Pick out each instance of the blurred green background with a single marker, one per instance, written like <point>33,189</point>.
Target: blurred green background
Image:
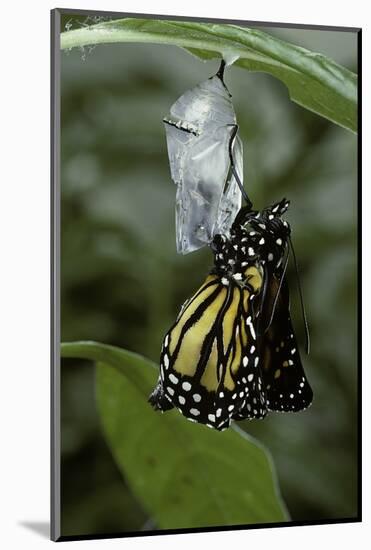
<point>122,282</point>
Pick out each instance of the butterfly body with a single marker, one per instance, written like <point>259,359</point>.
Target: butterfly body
<point>219,360</point>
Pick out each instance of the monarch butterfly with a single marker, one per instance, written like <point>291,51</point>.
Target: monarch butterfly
<point>232,353</point>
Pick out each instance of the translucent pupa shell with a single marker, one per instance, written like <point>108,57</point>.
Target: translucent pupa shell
<point>201,135</point>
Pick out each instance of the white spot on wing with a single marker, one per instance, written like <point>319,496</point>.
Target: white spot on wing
<point>251,327</point>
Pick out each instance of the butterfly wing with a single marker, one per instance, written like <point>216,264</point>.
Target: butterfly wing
<point>250,383</point>
<point>204,355</point>
<point>287,387</point>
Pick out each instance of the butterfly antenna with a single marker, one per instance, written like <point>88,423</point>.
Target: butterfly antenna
<point>233,168</point>
<point>278,292</point>
<point>262,300</point>
<point>303,312</point>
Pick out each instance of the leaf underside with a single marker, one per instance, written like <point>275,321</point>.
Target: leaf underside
<point>313,81</point>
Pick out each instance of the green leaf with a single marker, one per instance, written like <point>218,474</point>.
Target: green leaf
<point>313,80</point>
<point>186,475</point>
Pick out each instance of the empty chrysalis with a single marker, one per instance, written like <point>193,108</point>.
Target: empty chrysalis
<point>206,162</point>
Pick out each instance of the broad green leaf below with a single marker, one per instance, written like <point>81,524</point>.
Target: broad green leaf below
<point>185,475</point>
<point>313,80</point>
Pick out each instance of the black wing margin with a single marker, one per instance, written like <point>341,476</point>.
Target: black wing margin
<point>287,387</point>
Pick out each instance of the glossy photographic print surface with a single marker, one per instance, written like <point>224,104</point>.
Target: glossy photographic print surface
<point>205,370</point>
